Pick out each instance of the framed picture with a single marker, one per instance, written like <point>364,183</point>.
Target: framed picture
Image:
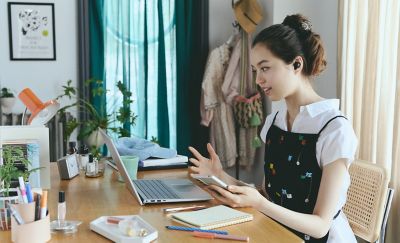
<point>31,31</point>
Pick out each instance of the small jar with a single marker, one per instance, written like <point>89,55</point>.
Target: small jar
<point>83,157</point>
<point>72,147</point>
<point>91,166</point>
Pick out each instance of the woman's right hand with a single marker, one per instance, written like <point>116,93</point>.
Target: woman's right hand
<point>203,165</point>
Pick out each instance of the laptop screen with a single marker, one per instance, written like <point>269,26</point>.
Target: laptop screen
<point>121,168</point>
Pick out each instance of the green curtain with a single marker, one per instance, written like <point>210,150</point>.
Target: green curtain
<point>162,106</point>
<point>96,52</point>
<point>191,53</point>
<point>158,49</point>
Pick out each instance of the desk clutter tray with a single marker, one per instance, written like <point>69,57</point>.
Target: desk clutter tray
<point>113,232</point>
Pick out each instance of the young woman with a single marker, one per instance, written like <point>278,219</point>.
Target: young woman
<point>309,144</point>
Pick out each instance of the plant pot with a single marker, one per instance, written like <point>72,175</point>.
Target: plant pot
<point>95,139</point>
<point>5,217</point>
<point>7,104</point>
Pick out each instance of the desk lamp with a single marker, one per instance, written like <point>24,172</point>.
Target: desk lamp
<point>41,112</point>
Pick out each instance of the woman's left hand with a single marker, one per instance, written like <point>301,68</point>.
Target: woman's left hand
<point>237,196</point>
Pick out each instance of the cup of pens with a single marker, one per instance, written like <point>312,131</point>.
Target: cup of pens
<point>30,221</point>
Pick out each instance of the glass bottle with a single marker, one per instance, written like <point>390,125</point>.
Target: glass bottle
<point>72,147</point>
<point>62,208</point>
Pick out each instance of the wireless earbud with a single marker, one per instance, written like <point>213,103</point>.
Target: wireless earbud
<point>296,65</point>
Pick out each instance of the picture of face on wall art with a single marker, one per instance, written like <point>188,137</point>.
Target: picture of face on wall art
<point>31,31</point>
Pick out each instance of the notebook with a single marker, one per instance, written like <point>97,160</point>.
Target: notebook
<point>212,218</point>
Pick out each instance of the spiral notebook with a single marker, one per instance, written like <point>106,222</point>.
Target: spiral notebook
<point>212,218</point>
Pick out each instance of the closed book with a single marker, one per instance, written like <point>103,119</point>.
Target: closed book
<point>179,159</point>
<point>211,218</point>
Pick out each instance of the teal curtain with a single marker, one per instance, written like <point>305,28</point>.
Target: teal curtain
<point>158,49</point>
<point>192,51</point>
<point>96,52</point>
<point>139,47</point>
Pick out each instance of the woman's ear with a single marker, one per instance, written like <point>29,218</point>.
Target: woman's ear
<point>298,63</point>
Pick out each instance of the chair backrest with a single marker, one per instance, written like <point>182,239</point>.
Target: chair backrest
<point>366,199</point>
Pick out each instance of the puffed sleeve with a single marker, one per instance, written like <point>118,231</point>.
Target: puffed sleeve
<point>337,141</point>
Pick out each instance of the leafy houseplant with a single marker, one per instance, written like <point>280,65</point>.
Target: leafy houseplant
<point>6,93</point>
<point>7,100</point>
<point>96,120</point>
<point>9,171</point>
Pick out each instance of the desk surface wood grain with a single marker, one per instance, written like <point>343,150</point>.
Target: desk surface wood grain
<point>90,198</point>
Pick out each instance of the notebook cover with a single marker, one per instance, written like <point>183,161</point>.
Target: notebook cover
<point>212,218</point>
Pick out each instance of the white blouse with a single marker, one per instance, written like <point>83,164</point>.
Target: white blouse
<point>337,141</point>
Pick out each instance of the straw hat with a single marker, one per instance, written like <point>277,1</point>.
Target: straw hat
<point>248,13</point>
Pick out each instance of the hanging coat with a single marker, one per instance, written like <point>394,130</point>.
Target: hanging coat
<point>215,112</point>
<point>240,59</point>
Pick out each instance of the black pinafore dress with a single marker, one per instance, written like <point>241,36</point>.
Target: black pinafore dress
<point>292,172</point>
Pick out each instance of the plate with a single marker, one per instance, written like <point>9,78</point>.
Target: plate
<point>112,232</point>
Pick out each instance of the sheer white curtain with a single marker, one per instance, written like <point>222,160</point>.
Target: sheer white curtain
<point>369,80</point>
<point>132,52</point>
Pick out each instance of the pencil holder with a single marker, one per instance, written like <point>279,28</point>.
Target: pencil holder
<point>31,231</point>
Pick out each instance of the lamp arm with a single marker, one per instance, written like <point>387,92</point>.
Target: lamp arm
<point>23,116</point>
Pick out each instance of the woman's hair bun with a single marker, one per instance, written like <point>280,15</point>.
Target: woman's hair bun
<point>299,23</point>
<point>293,38</point>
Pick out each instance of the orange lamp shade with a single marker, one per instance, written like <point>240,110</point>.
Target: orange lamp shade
<point>41,112</point>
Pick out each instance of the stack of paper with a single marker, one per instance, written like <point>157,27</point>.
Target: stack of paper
<point>179,160</point>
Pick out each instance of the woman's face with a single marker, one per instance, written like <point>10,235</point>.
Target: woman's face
<point>273,75</point>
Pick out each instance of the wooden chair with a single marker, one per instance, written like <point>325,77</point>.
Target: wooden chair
<point>368,200</point>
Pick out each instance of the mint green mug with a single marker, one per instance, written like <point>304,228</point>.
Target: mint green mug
<point>131,165</point>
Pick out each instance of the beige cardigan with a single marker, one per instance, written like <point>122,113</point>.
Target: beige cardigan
<point>215,112</point>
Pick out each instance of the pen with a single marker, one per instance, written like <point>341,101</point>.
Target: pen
<point>29,192</point>
<point>23,190</point>
<point>15,214</point>
<point>19,195</point>
<point>37,207</point>
<point>173,227</point>
<point>218,236</point>
<point>194,207</point>
<point>43,205</point>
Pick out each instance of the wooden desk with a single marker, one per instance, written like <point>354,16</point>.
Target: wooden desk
<point>90,198</point>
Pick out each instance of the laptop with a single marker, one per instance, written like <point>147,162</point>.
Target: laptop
<point>150,191</point>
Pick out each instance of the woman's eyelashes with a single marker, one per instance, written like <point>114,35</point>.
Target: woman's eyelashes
<point>264,69</point>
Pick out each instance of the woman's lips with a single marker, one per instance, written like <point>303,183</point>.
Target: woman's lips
<point>267,91</point>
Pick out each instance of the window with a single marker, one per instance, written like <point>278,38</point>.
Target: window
<point>142,57</point>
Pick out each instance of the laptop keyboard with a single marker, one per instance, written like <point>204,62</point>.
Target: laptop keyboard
<point>155,189</point>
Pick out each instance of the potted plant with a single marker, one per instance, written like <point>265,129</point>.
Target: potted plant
<point>9,172</point>
<point>113,121</point>
<point>7,100</point>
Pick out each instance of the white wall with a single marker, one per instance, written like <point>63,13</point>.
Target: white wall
<point>45,78</point>
<point>323,16</point>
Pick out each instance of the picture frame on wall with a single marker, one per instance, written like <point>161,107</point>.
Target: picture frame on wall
<point>31,29</point>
